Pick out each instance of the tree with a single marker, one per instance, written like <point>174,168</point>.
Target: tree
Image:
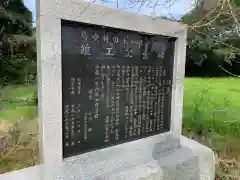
<point>214,35</point>
<point>17,45</point>
<point>213,26</point>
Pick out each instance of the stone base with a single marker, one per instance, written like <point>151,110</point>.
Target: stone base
<point>171,158</point>
<point>191,161</point>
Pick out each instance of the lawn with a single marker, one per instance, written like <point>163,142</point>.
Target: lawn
<point>16,103</point>
<point>18,117</point>
<point>212,105</point>
<point>211,115</point>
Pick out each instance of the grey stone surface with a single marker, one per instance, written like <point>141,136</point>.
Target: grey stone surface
<point>122,156</point>
<point>31,173</point>
<point>189,161</point>
<point>49,15</point>
<point>87,12</point>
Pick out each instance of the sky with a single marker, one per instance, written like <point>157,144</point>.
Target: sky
<point>30,4</point>
<point>177,10</point>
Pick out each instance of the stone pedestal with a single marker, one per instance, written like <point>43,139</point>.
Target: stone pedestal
<point>161,157</point>
<point>192,161</point>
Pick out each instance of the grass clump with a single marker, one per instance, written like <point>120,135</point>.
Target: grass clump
<point>211,115</point>
<point>18,128</point>
<point>20,148</point>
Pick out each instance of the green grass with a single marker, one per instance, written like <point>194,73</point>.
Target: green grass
<point>12,111</point>
<point>18,91</point>
<point>211,115</point>
<point>12,115</point>
<point>212,105</point>
<point>21,146</point>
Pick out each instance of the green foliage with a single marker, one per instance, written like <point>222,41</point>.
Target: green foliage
<point>35,98</point>
<point>16,18</point>
<point>17,45</point>
<point>198,50</point>
<point>212,36</point>
<point>16,68</point>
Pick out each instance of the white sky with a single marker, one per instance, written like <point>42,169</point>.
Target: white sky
<point>177,10</point>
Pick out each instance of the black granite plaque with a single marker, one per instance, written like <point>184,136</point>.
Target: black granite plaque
<point>116,86</point>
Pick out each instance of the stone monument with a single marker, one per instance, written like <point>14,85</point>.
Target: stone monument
<point>110,97</point>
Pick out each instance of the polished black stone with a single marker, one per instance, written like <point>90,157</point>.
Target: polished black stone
<point>116,86</point>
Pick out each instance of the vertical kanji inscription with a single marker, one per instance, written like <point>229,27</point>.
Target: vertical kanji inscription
<point>116,86</point>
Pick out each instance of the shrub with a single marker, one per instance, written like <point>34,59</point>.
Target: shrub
<point>30,73</point>
<point>35,98</point>
<point>12,68</point>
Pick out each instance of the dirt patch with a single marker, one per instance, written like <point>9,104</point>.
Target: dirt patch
<point>20,145</point>
<point>227,155</point>
<point>3,108</point>
<point>4,127</point>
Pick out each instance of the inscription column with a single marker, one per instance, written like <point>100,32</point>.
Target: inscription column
<point>126,110</point>
<point>66,125</point>
<point>117,103</point>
